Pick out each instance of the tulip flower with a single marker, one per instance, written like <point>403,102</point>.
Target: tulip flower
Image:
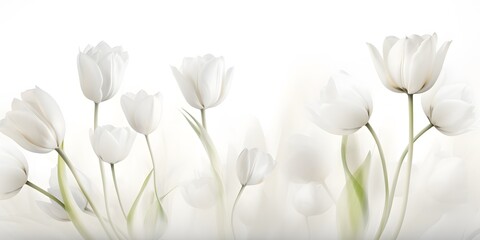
<point>13,171</point>
<point>143,111</point>
<point>312,199</point>
<point>450,109</point>
<point>112,144</point>
<point>101,71</point>
<point>200,193</point>
<point>35,122</point>
<point>411,65</point>
<point>203,80</point>
<point>253,165</point>
<point>345,106</point>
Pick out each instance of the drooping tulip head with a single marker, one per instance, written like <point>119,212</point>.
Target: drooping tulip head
<point>13,171</point>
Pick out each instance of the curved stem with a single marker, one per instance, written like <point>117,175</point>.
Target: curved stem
<point>204,119</point>
<point>409,165</point>
<point>154,173</point>
<point>307,222</point>
<point>142,189</point>
<point>166,194</point>
<point>384,168</point>
<point>395,180</point>
<point>95,116</point>
<point>347,171</point>
<point>104,184</point>
<point>112,166</point>
<point>233,209</point>
<point>39,189</point>
<point>82,188</point>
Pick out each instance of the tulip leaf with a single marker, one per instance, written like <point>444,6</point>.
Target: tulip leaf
<point>352,206</point>
<point>147,218</point>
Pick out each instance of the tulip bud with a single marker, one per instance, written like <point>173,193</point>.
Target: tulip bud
<point>203,80</point>
<point>13,171</point>
<point>312,199</point>
<point>345,106</point>
<point>112,144</point>
<point>143,111</point>
<point>450,109</point>
<point>101,71</point>
<point>411,65</point>
<point>35,122</point>
<point>253,165</point>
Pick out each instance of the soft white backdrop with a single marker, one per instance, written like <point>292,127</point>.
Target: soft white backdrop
<point>283,53</point>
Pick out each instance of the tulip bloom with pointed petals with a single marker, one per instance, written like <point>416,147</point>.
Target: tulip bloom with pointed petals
<point>13,171</point>
<point>450,109</point>
<point>411,64</point>
<point>35,122</point>
<point>344,107</point>
<point>312,199</point>
<point>203,80</point>
<point>112,144</point>
<point>253,166</point>
<point>143,111</point>
<point>101,71</point>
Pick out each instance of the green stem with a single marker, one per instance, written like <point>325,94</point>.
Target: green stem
<point>154,172</point>
<point>409,165</point>
<point>384,168</point>
<point>104,184</point>
<point>204,119</point>
<point>348,173</point>
<point>39,189</point>
<point>95,116</point>
<point>307,222</point>
<point>395,181</point>
<point>82,188</point>
<point>233,209</point>
<point>112,166</point>
<point>142,189</point>
<point>166,194</point>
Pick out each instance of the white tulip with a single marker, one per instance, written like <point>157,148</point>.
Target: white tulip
<point>142,111</point>
<point>203,80</point>
<point>200,193</point>
<point>312,199</point>
<point>344,107</point>
<point>411,64</point>
<point>13,171</point>
<point>112,144</point>
<point>35,122</point>
<point>450,109</point>
<point>101,71</point>
<point>253,165</point>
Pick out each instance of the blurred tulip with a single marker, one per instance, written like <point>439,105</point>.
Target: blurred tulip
<point>200,193</point>
<point>203,80</point>
<point>35,122</point>
<point>112,144</point>
<point>345,106</point>
<point>450,109</point>
<point>411,65</point>
<point>253,165</point>
<point>13,171</point>
<point>312,199</point>
<point>101,71</point>
<point>142,111</point>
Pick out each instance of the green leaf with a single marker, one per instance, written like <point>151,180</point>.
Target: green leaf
<point>352,206</point>
<point>147,218</point>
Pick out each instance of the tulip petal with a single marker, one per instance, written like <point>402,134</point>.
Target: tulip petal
<point>91,79</point>
<point>32,129</point>
<point>106,65</point>
<point>12,180</point>
<point>452,117</point>
<point>188,89</point>
<point>243,166</point>
<point>382,72</point>
<point>144,115</point>
<point>210,82</point>
<point>437,65</point>
<point>388,44</point>
<point>263,165</point>
<point>343,118</point>
<point>420,67</point>
<point>128,106</point>
<point>225,86</point>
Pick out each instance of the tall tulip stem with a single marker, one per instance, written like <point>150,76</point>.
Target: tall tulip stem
<point>112,166</point>
<point>384,168</point>
<point>409,165</point>
<point>95,115</point>
<point>82,188</point>
<point>39,189</point>
<point>204,118</point>
<point>395,181</point>
<point>154,172</point>
<point>233,209</point>
<point>309,231</point>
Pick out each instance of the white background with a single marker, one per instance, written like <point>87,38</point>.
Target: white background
<point>282,52</point>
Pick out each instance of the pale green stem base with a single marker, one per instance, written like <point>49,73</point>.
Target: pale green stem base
<point>112,166</point>
<point>307,223</point>
<point>154,172</point>
<point>39,189</point>
<point>204,120</point>
<point>233,209</point>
